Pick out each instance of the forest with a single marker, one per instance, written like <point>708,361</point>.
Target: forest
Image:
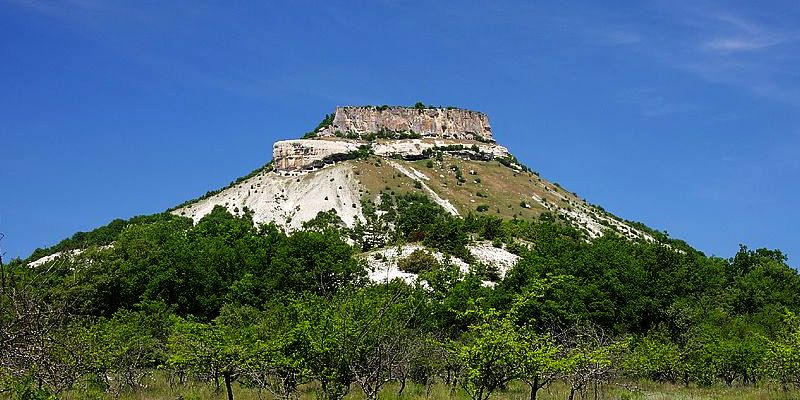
<point>239,309</point>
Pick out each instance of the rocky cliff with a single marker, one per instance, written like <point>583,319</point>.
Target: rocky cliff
<point>292,155</point>
<point>308,154</point>
<point>443,123</point>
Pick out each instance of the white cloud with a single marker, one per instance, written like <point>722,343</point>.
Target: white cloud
<point>740,43</point>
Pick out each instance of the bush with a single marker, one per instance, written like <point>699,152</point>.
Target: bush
<point>418,261</point>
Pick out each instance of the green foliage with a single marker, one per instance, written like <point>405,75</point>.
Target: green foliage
<point>101,236</point>
<point>127,347</point>
<point>418,261</point>
<point>227,299</point>
<point>783,354</point>
<point>209,350</point>
<point>326,122</point>
<point>325,221</point>
<point>656,359</point>
<point>363,151</point>
<point>490,355</point>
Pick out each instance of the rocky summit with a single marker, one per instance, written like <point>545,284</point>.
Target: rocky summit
<point>442,123</point>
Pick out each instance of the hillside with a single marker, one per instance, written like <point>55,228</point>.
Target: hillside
<point>401,250</point>
<point>358,156</point>
<point>462,174</point>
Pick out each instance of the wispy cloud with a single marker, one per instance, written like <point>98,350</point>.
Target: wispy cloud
<point>757,52</point>
<point>730,44</point>
<point>733,33</point>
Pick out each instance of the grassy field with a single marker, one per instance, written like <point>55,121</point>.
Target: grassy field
<point>159,388</point>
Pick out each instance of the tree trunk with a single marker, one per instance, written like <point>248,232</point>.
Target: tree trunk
<point>227,376</point>
<point>402,387</point>
<point>534,387</point>
<point>571,393</point>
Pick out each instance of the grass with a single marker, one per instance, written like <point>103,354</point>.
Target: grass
<point>158,387</point>
<point>499,186</point>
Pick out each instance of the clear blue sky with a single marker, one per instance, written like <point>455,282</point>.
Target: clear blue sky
<point>682,115</point>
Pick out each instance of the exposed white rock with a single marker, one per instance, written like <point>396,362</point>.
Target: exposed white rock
<point>382,263</point>
<point>430,122</point>
<point>415,175</point>
<point>66,255</point>
<point>288,200</point>
<point>498,257</point>
<point>61,254</point>
<point>290,155</point>
<point>306,154</point>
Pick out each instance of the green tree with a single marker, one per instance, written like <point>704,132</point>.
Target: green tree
<point>591,359</point>
<point>655,358</point>
<point>211,350</point>
<point>418,261</point>
<point>783,354</point>
<point>126,348</point>
<point>489,353</point>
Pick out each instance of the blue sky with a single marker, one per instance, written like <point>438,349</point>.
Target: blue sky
<point>682,115</point>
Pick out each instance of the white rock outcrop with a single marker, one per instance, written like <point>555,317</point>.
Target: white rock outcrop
<point>446,123</point>
<point>289,155</point>
<point>307,154</point>
<point>288,200</point>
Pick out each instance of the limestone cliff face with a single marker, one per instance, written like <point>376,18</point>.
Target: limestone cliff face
<point>293,155</point>
<point>308,154</point>
<point>443,123</point>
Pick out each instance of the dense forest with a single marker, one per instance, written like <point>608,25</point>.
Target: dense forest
<point>242,306</point>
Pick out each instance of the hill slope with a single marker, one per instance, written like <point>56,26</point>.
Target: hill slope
<point>339,171</point>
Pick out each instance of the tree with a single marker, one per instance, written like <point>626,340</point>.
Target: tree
<point>43,350</point>
<point>539,361</point>
<point>489,353</point>
<point>655,358</point>
<point>783,354</point>
<point>126,348</point>
<point>280,364</point>
<point>209,351</point>
<point>591,358</point>
<point>312,261</point>
<point>418,261</point>
<point>357,337</point>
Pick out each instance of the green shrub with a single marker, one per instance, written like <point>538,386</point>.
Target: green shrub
<point>418,261</point>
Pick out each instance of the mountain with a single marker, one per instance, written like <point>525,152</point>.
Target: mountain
<point>361,163</point>
<point>449,155</point>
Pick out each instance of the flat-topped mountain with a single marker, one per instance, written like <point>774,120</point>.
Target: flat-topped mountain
<point>359,153</point>
<point>361,164</point>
